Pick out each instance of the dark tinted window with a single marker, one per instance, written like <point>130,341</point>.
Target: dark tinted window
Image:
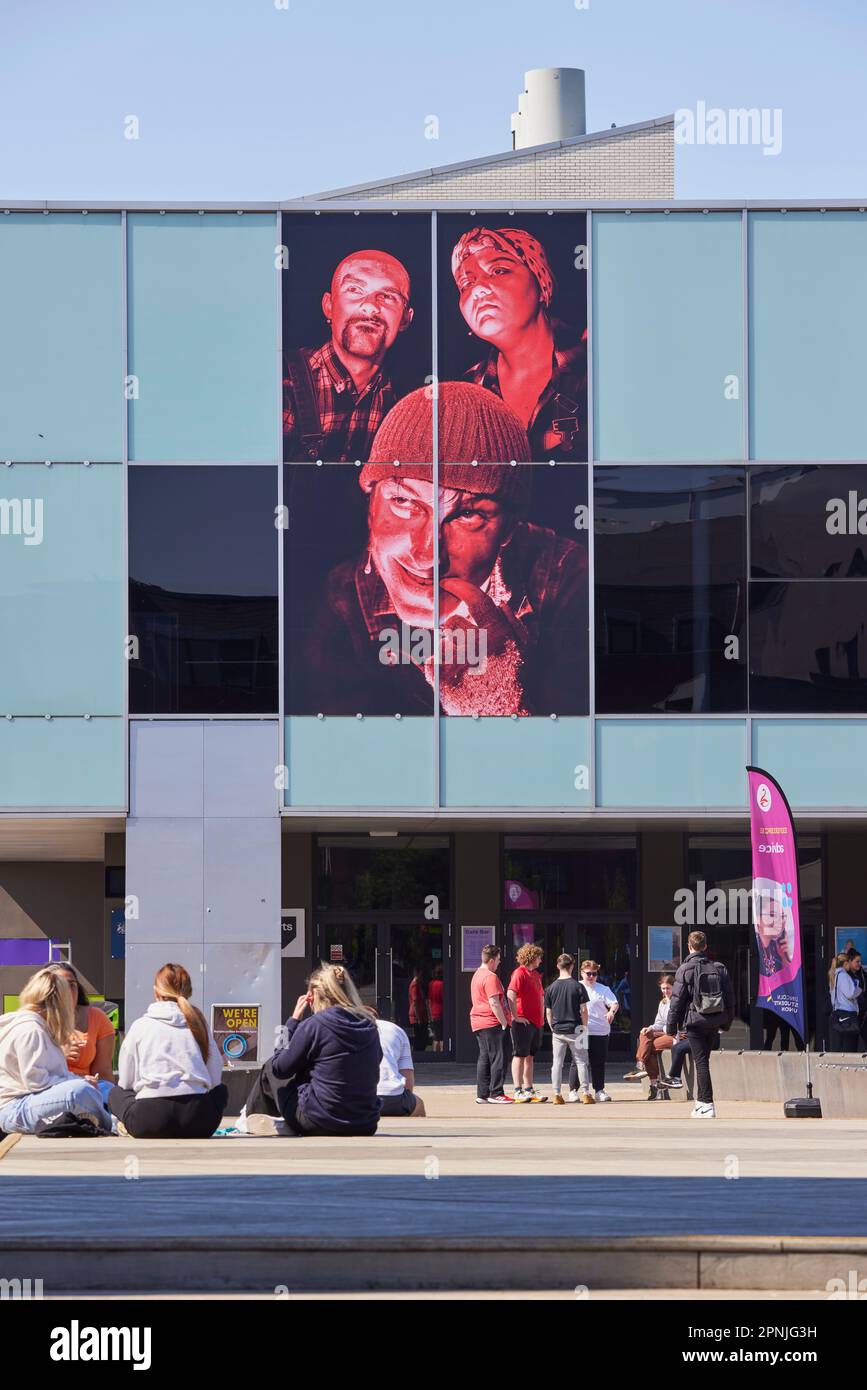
<point>203,590</point>
<point>807,646</point>
<point>808,522</point>
<point>670,586</point>
<point>569,871</point>
<point>725,861</point>
<point>400,873</point>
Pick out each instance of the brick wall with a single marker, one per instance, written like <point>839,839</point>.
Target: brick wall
<point>632,165</point>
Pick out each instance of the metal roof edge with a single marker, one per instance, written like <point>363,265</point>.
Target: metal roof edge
<point>576,204</point>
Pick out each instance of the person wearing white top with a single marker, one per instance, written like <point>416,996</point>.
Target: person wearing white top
<point>36,1088</point>
<point>602,1008</point>
<point>654,1039</point>
<point>396,1073</point>
<point>844,991</point>
<point>170,1069</point>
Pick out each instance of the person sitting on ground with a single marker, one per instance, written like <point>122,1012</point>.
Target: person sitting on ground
<point>653,1039</point>
<point>170,1069</point>
<point>396,1073</point>
<point>36,1089</point>
<point>90,1050</point>
<point>324,1078</point>
<point>566,1011</point>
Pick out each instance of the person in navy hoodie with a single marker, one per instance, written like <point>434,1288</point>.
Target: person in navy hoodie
<point>323,1079</point>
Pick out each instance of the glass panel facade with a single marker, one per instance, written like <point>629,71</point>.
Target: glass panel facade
<point>203,337</point>
<point>396,874</point>
<point>670,589</point>
<point>667,336</point>
<point>808,308</point>
<point>62,609</point>
<point>203,590</point>
<point>61,349</point>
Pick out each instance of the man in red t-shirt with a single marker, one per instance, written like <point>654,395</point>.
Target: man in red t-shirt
<point>526,998</point>
<point>489,1019</point>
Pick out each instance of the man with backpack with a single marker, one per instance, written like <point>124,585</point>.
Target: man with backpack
<point>702,997</point>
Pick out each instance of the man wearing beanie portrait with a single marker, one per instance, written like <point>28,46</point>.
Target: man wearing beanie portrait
<point>535,362</point>
<point>512,620</point>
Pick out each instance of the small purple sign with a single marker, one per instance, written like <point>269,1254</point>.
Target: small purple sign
<point>25,950</point>
<point>472,941</point>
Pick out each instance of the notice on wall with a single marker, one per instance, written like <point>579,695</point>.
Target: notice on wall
<point>335,954</point>
<point>293,945</point>
<point>663,948</point>
<point>118,933</point>
<point>236,1031</point>
<point>472,941</point>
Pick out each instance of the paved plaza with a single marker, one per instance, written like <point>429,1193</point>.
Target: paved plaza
<point>531,1197</point>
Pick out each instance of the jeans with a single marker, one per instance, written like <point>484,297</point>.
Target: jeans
<point>75,1095</point>
<point>702,1041</point>
<point>564,1043</point>
<point>597,1051</point>
<point>679,1054</point>
<point>491,1066</point>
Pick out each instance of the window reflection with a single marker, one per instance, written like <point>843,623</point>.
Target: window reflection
<point>203,590</point>
<point>670,589</point>
<point>807,647</point>
<point>805,522</point>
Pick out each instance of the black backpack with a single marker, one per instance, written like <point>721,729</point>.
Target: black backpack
<point>67,1125</point>
<point>708,989</point>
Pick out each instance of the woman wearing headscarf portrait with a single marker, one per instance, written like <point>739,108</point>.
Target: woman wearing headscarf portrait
<point>536,362</point>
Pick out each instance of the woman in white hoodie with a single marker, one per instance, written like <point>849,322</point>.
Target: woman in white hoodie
<point>170,1069</point>
<point>36,1088</point>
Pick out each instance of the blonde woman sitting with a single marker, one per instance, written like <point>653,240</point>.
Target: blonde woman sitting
<point>36,1089</point>
<point>323,1079</point>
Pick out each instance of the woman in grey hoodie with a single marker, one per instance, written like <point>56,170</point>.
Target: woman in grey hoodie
<point>36,1088</point>
<point>170,1069</point>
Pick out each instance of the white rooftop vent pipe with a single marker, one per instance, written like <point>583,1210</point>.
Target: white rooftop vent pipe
<point>551,107</point>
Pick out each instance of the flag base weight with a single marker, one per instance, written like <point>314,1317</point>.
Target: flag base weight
<point>804,1108</point>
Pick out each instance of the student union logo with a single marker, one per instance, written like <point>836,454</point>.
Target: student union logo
<point>763,797</point>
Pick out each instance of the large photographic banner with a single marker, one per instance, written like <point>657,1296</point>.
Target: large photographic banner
<point>357,331</point>
<point>369,632</point>
<point>512,320</point>
<point>775,901</point>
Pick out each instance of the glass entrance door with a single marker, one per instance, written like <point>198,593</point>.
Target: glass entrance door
<point>401,969</point>
<point>609,943</point>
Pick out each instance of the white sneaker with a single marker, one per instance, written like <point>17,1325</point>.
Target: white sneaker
<point>703,1111</point>
<point>602,1095</point>
<point>573,1097</point>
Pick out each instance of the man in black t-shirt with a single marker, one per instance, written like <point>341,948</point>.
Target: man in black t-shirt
<point>566,1003</point>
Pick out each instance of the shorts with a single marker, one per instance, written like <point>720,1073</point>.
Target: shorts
<point>393,1106</point>
<point>525,1039</point>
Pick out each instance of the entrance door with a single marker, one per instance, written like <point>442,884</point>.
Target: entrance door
<point>403,970</point>
<point>609,943</point>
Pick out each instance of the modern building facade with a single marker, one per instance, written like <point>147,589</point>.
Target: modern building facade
<point>190,770</point>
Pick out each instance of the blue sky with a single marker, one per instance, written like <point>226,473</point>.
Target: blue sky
<point>241,99</point>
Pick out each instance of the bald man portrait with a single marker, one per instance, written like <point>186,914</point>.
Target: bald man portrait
<point>336,396</point>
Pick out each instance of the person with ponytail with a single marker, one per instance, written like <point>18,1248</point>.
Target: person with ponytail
<point>169,1069</point>
<point>37,1092</point>
<point>324,1077</point>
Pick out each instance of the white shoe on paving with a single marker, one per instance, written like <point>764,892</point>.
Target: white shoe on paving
<point>703,1111</point>
<point>602,1095</point>
<point>573,1097</point>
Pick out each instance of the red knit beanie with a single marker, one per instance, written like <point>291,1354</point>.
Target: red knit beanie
<point>473,424</point>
